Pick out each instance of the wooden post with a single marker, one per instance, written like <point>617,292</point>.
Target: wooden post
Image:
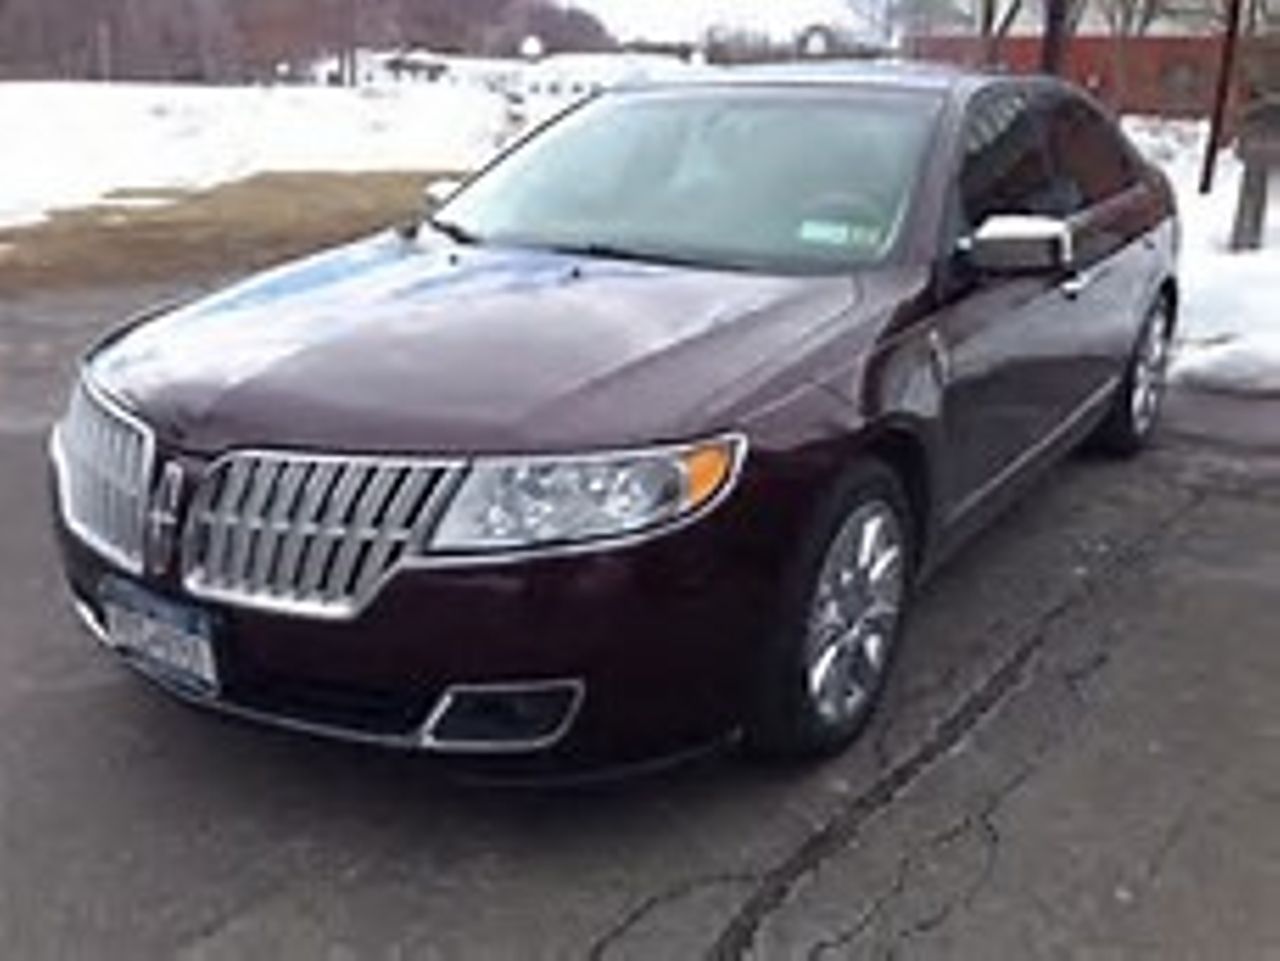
<point>1259,150</point>
<point>1226,72</point>
<point>1251,208</point>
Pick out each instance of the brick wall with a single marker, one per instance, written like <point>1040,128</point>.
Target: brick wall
<point>1171,76</point>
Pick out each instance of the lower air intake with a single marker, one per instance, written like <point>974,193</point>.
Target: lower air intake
<point>503,718</point>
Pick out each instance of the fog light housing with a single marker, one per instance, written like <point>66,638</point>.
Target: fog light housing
<point>502,718</point>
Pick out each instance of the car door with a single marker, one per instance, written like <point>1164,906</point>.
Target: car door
<point>1000,337</point>
<point>1112,217</point>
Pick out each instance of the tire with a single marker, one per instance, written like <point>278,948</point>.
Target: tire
<point>825,665</point>
<point>1135,412</point>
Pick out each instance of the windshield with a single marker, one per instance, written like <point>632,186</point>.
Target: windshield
<point>774,180</point>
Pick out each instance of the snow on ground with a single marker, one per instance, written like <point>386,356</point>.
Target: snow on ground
<point>70,144</point>
<point>1230,325</point>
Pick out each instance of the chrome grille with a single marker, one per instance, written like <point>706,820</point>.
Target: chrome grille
<point>303,533</point>
<point>104,471</point>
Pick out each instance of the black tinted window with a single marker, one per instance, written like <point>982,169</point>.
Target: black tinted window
<point>1091,161</point>
<point>1004,170</point>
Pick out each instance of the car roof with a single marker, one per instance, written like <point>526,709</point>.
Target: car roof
<point>903,73</point>
<point>908,75</point>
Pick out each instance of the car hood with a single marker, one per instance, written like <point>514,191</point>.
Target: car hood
<point>390,344</point>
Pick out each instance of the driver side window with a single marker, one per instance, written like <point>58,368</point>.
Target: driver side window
<point>1004,169</point>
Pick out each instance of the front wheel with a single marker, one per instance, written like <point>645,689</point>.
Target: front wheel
<point>1136,409</point>
<point>826,665</point>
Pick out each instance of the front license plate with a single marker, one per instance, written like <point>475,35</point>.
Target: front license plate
<point>171,639</point>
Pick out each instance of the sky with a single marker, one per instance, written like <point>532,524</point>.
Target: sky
<point>688,19</point>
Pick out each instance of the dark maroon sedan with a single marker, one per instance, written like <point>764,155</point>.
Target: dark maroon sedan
<point>641,438</point>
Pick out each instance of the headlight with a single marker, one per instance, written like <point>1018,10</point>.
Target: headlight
<point>509,504</point>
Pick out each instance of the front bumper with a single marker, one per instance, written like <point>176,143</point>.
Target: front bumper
<point>648,644</point>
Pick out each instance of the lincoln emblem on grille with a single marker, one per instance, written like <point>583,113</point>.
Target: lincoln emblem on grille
<point>162,518</point>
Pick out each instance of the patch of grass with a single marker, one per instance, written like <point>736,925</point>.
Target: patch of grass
<point>230,230</point>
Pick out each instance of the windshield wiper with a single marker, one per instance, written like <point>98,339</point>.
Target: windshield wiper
<point>612,252</point>
<point>454,231</point>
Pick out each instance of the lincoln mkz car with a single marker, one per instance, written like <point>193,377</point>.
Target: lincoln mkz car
<point>641,439</point>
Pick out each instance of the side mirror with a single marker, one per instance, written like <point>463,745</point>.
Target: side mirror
<point>1020,244</point>
<point>439,191</point>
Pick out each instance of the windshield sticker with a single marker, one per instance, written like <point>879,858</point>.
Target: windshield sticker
<point>832,233</point>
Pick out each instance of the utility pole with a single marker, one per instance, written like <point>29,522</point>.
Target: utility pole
<point>1226,72</point>
<point>1053,47</point>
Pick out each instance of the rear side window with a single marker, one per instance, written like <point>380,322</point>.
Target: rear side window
<point>1004,169</point>
<point>1091,161</point>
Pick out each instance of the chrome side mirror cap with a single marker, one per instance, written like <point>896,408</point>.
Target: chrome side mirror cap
<point>1020,244</point>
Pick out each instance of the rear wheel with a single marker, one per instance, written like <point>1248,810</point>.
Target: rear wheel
<point>1136,409</point>
<point>826,666</point>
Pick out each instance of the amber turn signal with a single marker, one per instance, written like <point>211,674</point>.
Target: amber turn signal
<point>706,470</point>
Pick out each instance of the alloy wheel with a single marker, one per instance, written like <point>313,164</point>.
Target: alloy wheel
<point>1149,374</point>
<point>854,613</point>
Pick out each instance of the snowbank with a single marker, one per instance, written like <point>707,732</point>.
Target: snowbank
<point>70,144</point>
<point>1230,337</point>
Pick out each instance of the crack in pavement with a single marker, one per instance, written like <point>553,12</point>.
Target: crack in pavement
<point>654,903</point>
<point>908,864</point>
<point>983,823</point>
<point>775,886</point>
<point>962,898</point>
<point>1077,676</point>
<point>1171,838</point>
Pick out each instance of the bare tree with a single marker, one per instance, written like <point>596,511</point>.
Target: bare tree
<point>994,22</point>
<point>1125,19</point>
<point>448,25</point>
<point>218,40</point>
<point>232,39</point>
<point>559,29</point>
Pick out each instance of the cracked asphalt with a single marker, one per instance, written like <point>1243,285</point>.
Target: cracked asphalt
<point>1079,757</point>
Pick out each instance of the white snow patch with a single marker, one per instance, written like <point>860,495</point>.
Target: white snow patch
<point>70,144</point>
<point>135,203</point>
<point>1230,323</point>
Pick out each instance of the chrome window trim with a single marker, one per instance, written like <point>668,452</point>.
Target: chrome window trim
<point>57,454</point>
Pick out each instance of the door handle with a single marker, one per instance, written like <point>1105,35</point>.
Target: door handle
<point>1076,284</point>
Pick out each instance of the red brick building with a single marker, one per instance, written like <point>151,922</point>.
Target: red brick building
<point>1170,75</point>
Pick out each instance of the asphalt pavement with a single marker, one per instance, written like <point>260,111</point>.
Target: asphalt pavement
<point>1079,757</point>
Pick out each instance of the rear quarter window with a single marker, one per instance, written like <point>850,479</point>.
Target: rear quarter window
<point>1088,154</point>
